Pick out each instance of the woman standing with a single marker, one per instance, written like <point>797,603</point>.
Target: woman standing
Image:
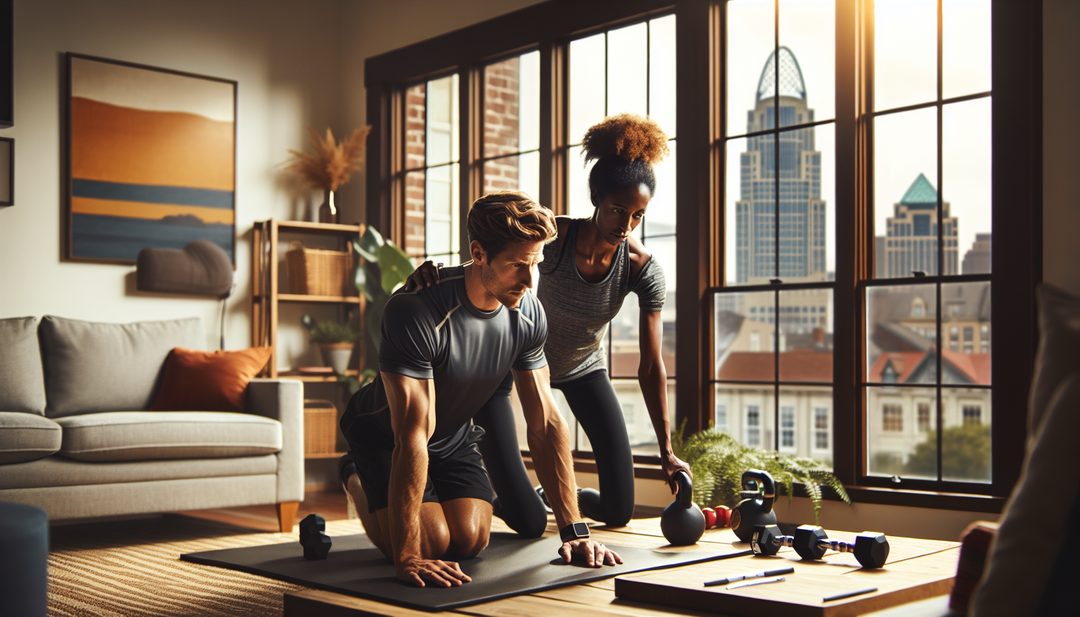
<point>585,276</point>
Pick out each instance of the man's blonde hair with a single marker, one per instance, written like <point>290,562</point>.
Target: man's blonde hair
<point>499,219</point>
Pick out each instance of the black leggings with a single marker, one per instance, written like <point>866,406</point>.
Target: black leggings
<point>593,401</point>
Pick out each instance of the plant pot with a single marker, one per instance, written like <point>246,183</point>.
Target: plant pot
<point>328,211</point>
<point>336,355</point>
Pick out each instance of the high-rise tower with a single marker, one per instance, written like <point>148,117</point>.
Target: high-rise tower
<point>911,236</point>
<point>792,153</point>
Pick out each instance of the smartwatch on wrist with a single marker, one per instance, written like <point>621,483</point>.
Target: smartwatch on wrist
<point>574,531</point>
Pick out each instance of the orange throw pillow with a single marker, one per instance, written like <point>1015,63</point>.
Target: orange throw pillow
<point>208,380</point>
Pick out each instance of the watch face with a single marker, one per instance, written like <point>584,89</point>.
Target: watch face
<point>581,530</point>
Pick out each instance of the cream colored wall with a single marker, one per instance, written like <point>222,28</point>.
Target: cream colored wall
<point>1061,144</point>
<point>284,54</point>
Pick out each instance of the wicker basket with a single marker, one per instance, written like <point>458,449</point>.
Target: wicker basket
<point>320,427</point>
<point>318,272</point>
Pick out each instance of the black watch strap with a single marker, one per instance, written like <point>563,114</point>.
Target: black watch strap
<point>574,531</point>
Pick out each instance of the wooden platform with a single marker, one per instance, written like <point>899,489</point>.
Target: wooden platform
<point>917,569</point>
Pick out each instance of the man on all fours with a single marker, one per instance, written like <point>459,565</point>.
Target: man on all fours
<point>413,469</point>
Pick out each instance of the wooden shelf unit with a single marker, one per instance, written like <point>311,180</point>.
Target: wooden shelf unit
<point>266,295</point>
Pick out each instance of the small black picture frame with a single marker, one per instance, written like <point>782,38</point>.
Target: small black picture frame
<point>7,171</point>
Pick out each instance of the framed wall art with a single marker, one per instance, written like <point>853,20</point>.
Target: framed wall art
<point>151,160</point>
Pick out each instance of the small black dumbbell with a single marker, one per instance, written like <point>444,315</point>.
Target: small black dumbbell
<point>871,549</point>
<point>313,537</point>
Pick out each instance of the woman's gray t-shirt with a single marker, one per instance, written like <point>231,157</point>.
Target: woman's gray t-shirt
<point>579,311</point>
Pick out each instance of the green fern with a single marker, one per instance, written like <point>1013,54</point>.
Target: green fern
<point>718,461</point>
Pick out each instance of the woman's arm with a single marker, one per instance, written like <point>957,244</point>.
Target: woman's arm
<point>652,378</point>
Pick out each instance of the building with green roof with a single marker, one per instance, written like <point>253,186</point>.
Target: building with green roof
<point>911,237</point>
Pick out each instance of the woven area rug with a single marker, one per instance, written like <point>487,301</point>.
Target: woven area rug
<point>124,568</point>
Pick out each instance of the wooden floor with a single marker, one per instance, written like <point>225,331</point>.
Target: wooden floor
<point>331,505</point>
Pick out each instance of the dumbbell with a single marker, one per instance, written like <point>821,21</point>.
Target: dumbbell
<point>313,537</point>
<point>871,549</point>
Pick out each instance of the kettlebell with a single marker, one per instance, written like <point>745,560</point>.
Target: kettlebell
<point>756,507</point>
<point>682,521</point>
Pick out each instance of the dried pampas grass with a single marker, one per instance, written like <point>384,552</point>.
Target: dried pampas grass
<point>332,163</point>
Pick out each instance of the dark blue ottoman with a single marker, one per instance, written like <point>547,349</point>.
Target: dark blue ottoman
<point>24,554</point>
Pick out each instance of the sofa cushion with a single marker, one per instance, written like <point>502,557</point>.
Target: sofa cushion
<point>95,367</point>
<point>208,380</point>
<point>27,437</point>
<point>22,382</point>
<point>150,435</point>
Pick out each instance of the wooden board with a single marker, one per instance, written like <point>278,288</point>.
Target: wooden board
<point>801,594</point>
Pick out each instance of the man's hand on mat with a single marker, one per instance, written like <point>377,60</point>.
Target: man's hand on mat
<point>596,554</point>
<point>439,573</point>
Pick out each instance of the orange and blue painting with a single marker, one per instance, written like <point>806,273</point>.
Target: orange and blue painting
<point>152,160</point>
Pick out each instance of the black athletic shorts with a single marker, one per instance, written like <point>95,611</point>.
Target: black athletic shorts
<point>454,471</point>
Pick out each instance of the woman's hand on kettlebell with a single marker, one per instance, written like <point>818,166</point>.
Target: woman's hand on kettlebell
<point>671,465</point>
<point>425,275</point>
<point>595,553</point>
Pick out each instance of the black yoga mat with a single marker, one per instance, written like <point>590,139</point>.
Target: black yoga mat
<point>509,566</point>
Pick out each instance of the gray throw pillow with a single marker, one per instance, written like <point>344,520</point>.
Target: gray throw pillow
<point>1059,349</point>
<point>22,382</point>
<point>94,367</point>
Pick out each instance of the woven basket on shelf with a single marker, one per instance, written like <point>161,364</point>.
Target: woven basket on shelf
<point>320,427</point>
<point>318,272</point>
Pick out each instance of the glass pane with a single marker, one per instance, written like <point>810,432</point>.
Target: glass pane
<point>966,185</point>
<point>628,55</point>
<point>580,204</point>
<point>802,210</point>
<point>748,413</point>
<point>663,251</point>
<point>415,123</point>
<point>905,52</point>
<point>512,106</point>
<point>806,335</point>
<point>442,120</point>
<point>901,439</point>
<point>751,207</point>
<point>965,440</point>
<point>662,72</point>
<point>441,229</point>
<point>529,95</point>
<point>513,173</point>
<point>751,41</point>
<point>965,47</point>
<point>519,416</point>
<point>805,422</point>
<point>623,340</point>
<point>502,108</point>
<point>905,199</point>
<point>587,97</point>
<point>660,217</point>
<point>414,214</point>
<point>745,336</point>
<point>966,330</point>
<point>901,330</point>
<point>807,32</point>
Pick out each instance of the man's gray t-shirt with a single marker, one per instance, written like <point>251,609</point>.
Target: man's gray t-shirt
<point>436,333</point>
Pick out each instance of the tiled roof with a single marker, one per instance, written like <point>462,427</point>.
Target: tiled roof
<point>974,366</point>
<point>798,365</point>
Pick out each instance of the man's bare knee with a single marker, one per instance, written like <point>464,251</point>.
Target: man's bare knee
<point>469,522</point>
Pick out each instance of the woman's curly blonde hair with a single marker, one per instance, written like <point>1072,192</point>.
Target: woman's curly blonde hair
<point>628,136</point>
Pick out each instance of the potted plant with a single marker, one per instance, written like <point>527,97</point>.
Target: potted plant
<point>331,165</point>
<point>718,461</point>
<point>335,340</point>
<point>382,269</point>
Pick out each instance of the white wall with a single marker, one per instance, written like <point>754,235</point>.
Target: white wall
<point>284,54</point>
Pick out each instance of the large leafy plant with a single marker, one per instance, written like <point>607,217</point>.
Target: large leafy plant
<point>718,461</point>
<point>383,269</point>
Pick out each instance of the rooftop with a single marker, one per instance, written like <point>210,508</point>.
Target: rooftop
<point>791,79</point>
<point>920,193</point>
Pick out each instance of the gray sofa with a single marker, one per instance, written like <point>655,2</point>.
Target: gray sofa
<point>76,438</point>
